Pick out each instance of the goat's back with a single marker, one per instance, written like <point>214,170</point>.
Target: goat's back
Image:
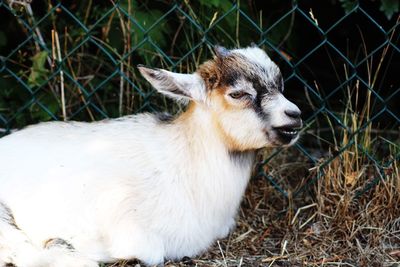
<point>56,170</point>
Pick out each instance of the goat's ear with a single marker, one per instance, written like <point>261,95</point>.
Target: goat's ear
<point>176,85</point>
<point>221,51</point>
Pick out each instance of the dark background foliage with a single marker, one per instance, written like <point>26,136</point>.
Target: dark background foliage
<point>91,36</point>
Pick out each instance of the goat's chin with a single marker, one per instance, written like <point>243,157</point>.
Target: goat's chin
<point>277,142</point>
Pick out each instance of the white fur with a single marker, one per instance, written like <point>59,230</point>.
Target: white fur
<point>277,106</point>
<point>123,188</point>
<point>258,56</point>
<point>132,187</point>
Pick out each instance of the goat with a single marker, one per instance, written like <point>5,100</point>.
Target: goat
<point>143,186</point>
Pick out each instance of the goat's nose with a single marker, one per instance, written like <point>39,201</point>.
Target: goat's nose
<point>295,114</point>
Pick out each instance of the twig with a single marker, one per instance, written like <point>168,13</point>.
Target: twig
<point>128,63</point>
<point>289,31</point>
<point>121,89</point>
<point>37,30</point>
<point>284,246</point>
<point>308,220</point>
<point>222,253</point>
<point>121,78</point>
<point>54,35</point>
<point>237,24</point>
<point>80,93</point>
<point>182,21</point>
<point>300,210</point>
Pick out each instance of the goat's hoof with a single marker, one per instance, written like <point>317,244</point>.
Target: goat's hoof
<point>188,261</point>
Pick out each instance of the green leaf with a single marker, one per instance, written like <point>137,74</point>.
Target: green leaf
<point>348,5</point>
<point>223,5</point>
<point>38,73</point>
<point>389,7</point>
<point>40,114</point>
<point>210,3</point>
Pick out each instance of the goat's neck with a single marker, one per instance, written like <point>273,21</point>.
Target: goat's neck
<point>202,133</point>
<point>214,174</point>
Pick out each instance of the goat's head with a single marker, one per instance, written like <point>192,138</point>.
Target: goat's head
<point>242,89</point>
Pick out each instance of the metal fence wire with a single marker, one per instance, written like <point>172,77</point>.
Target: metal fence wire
<point>75,60</point>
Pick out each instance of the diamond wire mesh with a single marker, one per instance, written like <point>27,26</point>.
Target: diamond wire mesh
<point>94,75</point>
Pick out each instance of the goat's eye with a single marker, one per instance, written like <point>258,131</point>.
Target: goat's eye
<point>238,95</point>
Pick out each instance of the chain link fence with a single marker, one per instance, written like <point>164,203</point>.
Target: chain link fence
<point>75,60</point>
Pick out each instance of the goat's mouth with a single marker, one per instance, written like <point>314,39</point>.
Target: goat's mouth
<point>288,132</point>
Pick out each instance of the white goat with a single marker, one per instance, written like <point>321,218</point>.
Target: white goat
<point>75,194</point>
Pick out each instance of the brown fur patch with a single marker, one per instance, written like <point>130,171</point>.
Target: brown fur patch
<point>221,72</point>
<point>218,96</point>
<point>231,144</point>
<point>209,72</point>
<point>188,113</point>
<point>219,99</point>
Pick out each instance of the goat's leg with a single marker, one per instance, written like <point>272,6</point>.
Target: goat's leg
<point>16,248</point>
<point>60,253</point>
<point>129,241</point>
